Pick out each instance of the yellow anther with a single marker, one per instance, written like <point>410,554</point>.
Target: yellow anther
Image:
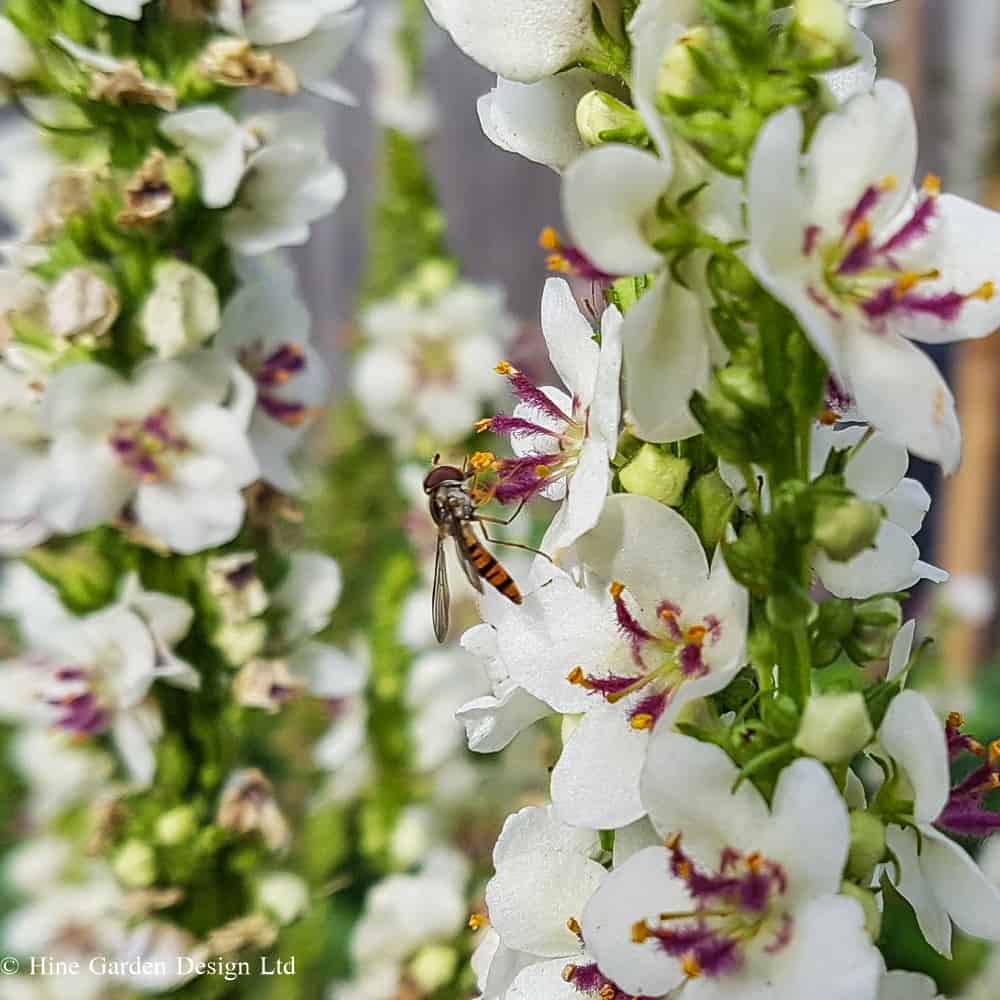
<point>640,931</point>
<point>695,634</point>
<point>755,862</point>
<point>905,282</point>
<point>862,230</point>
<point>548,239</point>
<point>642,721</point>
<point>577,676</point>
<point>992,783</point>
<point>483,425</point>
<point>483,460</point>
<point>888,183</point>
<point>691,965</point>
<point>828,418</point>
<point>668,614</point>
<point>607,992</point>
<point>985,291</point>
<point>956,720</point>
<point>557,262</point>
<point>617,589</point>
<point>505,368</point>
<point>542,471</point>
<point>995,751</point>
<point>932,185</point>
<point>574,926</point>
<point>569,973</point>
<point>478,921</point>
<point>673,842</point>
<point>684,870</point>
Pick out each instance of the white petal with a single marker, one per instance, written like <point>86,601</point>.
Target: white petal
<point>531,897</point>
<point>667,358</point>
<point>900,985</point>
<point>912,734</point>
<point>132,738</point>
<point>889,566</point>
<point>569,339</point>
<point>907,505</point>
<point>606,195</point>
<point>187,520</point>
<point>902,646</point>
<point>585,497</point>
<point>329,672</point>
<point>859,77</point>
<point>877,468</point>
<point>641,889</point>
<point>543,979</point>
<point>631,839</point>
<point>809,830</point>
<point>518,39</point>
<point>309,593</point>
<point>538,120</point>
<point>960,886</point>
<point>621,548</point>
<point>538,830</point>
<point>899,390</point>
<point>606,409</point>
<point>87,484</point>
<point>491,723</point>
<point>830,955</point>
<point>596,781</point>
<point>932,918</point>
<point>714,819</point>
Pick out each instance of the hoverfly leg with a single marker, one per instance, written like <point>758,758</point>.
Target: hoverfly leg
<point>511,545</point>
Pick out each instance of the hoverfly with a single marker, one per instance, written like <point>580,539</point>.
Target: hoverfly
<point>455,513</point>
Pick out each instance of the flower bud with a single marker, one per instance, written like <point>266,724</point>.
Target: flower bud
<point>413,836</point>
<point>598,113</point>
<point>834,727</point>
<point>845,529</point>
<point>181,312</point>
<point>708,508</point>
<point>433,967</point>
<point>780,715</point>
<point>873,915</point>
<point>135,865</point>
<point>658,474</point>
<point>876,622</point>
<point>82,306</point>
<point>679,76</point>
<point>176,826</point>
<point>17,57</point>
<point>284,895</point>
<point>823,28</point>
<point>743,386</point>
<point>868,845</point>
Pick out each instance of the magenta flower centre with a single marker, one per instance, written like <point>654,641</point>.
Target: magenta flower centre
<point>555,440</point>
<point>75,695</point>
<point>666,655</point>
<point>274,373</point>
<point>862,271</point>
<point>739,904</point>
<point>148,447</point>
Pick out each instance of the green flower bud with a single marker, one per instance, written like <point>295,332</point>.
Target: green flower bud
<point>823,28</point>
<point>658,474</point>
<point>135,865</point>
<point>834,727</point>
<point>434,277</point>
<point>708,508</point>
<point>85,577</point>
<point>434,967</point>
<point>876,622</point>
<point>873,915</point>
<point>602,118</point>
<point>845,529</point>
<point>744,387</point>
<point>176,826</point>
<point>283,895</point>
<point>868,847</point>
<point>679,75</point>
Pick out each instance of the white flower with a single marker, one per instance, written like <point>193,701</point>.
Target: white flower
<point>217,144</point>
<point>538,120</point>
<point>971,598</point>
<point>546,872</point>
<point>132,9</point>
<point>564,440</point>
<point>522,40</point>
<point>639,639</point>
<point>182,310</point>
<point>398,101</point>
<point>935,875</point>
<point>165,443</point>
<point>866,265</point>
<point>743,899</point>
<point>265,328</point>
<point>428,367</point>
<point>284,894</point>
<point>900,985</point>
<point>17,57</point>
<point>310,36</point>
<point>307,595</point>
<point>288,184</point>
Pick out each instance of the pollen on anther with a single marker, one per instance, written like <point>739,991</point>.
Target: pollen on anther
<point>569,973</point>
<point>483,460</point>
<point>888,183</point>
<point>617,589</point>
<point>985,291</point>
<point>557,262</point>
<point>695,634</point>
<point>548,239</point>
<point>691,965</point>
<point>863,229</point>
<point>574,926</point>
<point>478,921</point>
<point>640,931</point>
<point>673,842</point>
<point>543,471</point>
<point>576,676</point>
<point>642,721</point>
<point>932,185</point>
<point>995,751</point>
<point>505,368</point>
<point>956,720</point>
<point>607,992</point>
<point>483,425</point>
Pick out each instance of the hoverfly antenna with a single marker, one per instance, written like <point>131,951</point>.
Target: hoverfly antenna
<point>437,458</point>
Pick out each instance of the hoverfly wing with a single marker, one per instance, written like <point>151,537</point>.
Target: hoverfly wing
<point>440,594</point>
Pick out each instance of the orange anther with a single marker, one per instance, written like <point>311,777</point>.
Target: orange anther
<point>478,921</point>
<point>695,635</point>
<point>617,589</point>
<point>574,926</point>
<point>548,239</point>
<point>505,368</point>
<point>932,185</point>
<point>691,965</point>
<point>569,973</point>
<point>483,425</point>
<point>577,676</point>
<point>642,721</point>
<point>640,931</point>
